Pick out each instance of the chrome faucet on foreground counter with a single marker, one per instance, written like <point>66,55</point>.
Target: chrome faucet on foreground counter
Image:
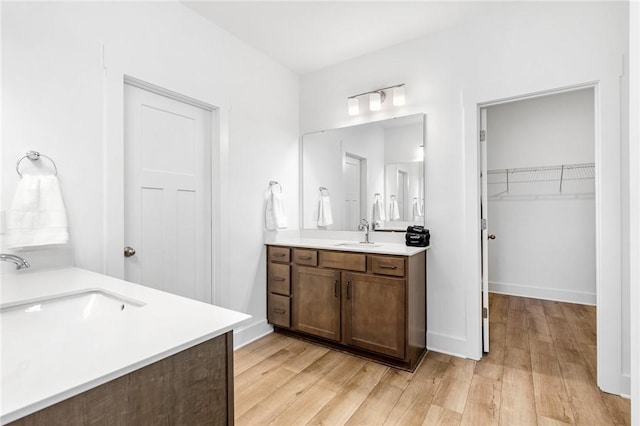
<point>16,260</point>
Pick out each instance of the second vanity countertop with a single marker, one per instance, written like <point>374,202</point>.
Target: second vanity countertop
<point>351,246</point>
<point>81,352</point>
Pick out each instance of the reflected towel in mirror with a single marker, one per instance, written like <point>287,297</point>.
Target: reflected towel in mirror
<point>378,208</point>
<point>417,211</point>
<point>394,210</point>
<point>325,218</point>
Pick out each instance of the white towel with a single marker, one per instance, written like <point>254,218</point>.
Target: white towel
<point>275,213</point>
<point>394,210</point>
<point>325,218</point>
<point>37,216</point>
<point>378,208</point>
<point>417,212</point>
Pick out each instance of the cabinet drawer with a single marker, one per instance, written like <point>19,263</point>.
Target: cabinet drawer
<point>305,257</point>
<point>279,312</point>
<point>387,265</point>
<point>279,254</point>
<point>278,279</point>
<point>342,260</point>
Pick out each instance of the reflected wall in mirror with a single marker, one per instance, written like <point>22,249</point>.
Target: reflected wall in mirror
<point>372,171</point>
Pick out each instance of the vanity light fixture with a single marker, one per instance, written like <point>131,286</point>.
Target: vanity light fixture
<point>376,98</point>
<point>354,106</point>
<point>398,95</point>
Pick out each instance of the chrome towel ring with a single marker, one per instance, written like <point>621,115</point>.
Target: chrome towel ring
<point>35,156</point>
<point>272,184</point>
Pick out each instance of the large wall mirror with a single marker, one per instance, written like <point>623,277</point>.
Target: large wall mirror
<point>372,171</point>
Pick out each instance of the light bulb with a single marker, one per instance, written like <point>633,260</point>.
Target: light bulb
<point>375,101</point>
<point>398,96</point>
<point>354,106</point>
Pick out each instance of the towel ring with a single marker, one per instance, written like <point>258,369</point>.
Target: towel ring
<point>35,156</point>
<point>273,183</point>
<point>322,188</point>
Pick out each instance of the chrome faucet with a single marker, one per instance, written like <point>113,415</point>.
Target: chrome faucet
<point>364,226</point>
<point>17,260</point>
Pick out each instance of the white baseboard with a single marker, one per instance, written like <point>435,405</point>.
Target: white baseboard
<point>569,296</point>
<point>626,386</point>
<point>247,334</point>
<point>445,344</point>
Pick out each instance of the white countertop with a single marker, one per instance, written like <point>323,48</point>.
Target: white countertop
<point>71,359</point>
<point>327,244</point>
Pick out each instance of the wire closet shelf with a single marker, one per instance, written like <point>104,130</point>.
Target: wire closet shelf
<point>561,174</point>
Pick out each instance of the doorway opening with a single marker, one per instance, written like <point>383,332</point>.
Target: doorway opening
<point>538,214</point>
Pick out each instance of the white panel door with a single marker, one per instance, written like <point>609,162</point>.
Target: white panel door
<point>485,231</point>
<point>168,194</point>
<point>351,192</point>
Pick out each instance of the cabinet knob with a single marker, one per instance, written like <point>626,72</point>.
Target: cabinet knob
<point>129,251</point>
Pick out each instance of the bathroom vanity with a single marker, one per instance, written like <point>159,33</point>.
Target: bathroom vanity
<point>369,300</point>
<point>83,348</point>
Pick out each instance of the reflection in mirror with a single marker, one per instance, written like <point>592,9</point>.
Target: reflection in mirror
<point>372,171</point>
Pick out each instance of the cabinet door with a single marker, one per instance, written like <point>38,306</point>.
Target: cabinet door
<point>316,302</point>
<point>374,312</point>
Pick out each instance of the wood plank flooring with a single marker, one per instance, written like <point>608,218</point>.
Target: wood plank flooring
<point>541,371</point>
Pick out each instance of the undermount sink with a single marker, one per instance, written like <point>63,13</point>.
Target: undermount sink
<point>68,309</point>
<point>359,245</point>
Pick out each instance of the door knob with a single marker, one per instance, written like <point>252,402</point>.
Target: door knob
<point>129,251</point>
<point>492,237</point>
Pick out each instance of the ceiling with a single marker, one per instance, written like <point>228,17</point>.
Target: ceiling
<point>306,36</point>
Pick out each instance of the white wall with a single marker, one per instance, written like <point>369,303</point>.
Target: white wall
<point>540,45</point>
<point>58,99</point>
<point>545,239</point>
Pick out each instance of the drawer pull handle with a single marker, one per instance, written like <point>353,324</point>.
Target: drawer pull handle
<point>279,311</point>
<point>348,290</point>
<point>278,278</point>
<point>383,266</point>
<point>304,257</point>
<point>336,288</point>
<point>279,255</point>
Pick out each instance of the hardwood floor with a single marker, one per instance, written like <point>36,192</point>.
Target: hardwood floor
<point>541,370</point>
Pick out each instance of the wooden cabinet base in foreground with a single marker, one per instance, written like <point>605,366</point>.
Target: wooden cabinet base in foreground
<point>192,387</point>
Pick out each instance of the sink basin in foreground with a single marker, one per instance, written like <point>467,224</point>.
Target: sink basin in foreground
<point>360,245</point>
<point>68,309</point>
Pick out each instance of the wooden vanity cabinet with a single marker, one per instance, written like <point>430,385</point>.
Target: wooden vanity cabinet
<point>316,302</point>
<point>279,286</point>
<point>374,313</point>
<point>373,305</point>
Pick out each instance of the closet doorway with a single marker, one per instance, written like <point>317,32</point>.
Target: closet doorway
<point>538,206</point>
